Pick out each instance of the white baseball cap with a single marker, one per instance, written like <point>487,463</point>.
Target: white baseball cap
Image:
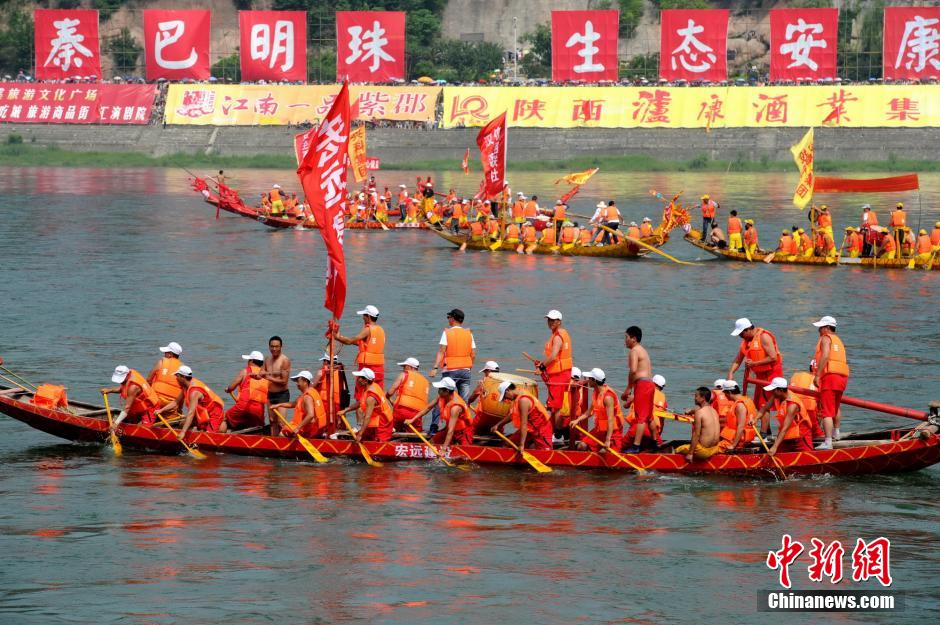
<point>728,385</point>
<point>776,383</point>
<point>503,387</point>
<point>601,205</point>
<point>410,362</point>
<point>120,374</point>
<point>370,310</point>
<point>255,355</point>
<point>826,321</point>
<point>303,374</point>
<point>326,358</point>
<point>659,380</point>
<point>553,314</point>
<point>632,223</point>
<point>576,373</point>
<point>596,374</point>
<point>184,371</point>
<point>719,383</point>
<point>366,373</point>
<point>446,383</point>
<point>491,365</point>
<point>275,186</point>
<point>741,325</point>
<point>402,186</point>
<point>647,219</point>
<point>172,347</point>
<point>521,194</point>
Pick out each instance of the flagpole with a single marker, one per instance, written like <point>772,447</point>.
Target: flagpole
<point>330,384</point>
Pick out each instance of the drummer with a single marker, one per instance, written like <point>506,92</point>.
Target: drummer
<point>479,392</point>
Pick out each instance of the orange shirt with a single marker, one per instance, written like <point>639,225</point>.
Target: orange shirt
<point>734,225</point>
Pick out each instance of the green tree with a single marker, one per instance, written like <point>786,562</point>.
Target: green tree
<point>537,61</point>
<point>228,68</point>
<point>16,41</point>
<point>631,12</point>
<point>321,65</point>
<point>124,51</point>
<point>681,4</point>
<point>106,8</point>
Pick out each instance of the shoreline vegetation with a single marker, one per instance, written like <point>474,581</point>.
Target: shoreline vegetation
<point>17,154</point>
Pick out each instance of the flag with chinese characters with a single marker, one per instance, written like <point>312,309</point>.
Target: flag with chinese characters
<point>357,152</point>
<point>803,44</point>
<point>493,144</point>
<point>176,44</point>
<point>911,43</point>
<point>66,43</point>
<point>803,157</point>
<point>694,44</point>
<point>370,46</point>
<point>465,163</point>
<point>273,45</point>
<point>322,174</point>
<point>584,45</point>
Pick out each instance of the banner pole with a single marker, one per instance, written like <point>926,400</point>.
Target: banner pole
<point>330,382</point>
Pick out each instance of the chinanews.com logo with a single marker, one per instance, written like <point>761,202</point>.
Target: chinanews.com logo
<point>870,561</point>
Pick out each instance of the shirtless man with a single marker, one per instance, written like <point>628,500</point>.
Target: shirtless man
<point>277,372</point>
<point>640,388</point>
<point>717,237</point>
<point>705,429</point>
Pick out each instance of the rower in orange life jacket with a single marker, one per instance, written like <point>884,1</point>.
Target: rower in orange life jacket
<point>794,432</point>
<point>646,227</point>
<point>479,392</point>
<point>804,379</point>
<point>805,244</point>
<point>529,234</point>
<point>735,240</point>
<point>832,376</point>
<point>650,440</point>
<point>548,236</point>
<point>162,377</point>
<point>633,231</point>
<point>750,236</point>
<point>935,234</point>
<point>888,247</point>
<point>824,221</point>
<point>477,229</point>
<point>139,400</point>
<point>899,222</point>
<point>202,407</point>
<point>408,394</point>
<point>720,401</point>
<point>607,413</point>
<point>558,355</point>
<point>759,354</point>
<point>310,415</point>
<point>569,234</point>
<point>785,246</point>
<point>513,233</point>
<point>738,429</point>
<point>492,228</point>
<point>248,411</point>
<point>371,343</point>
<point>578,403</point>
<point>924,248</point>
<point>372,408</point>
<point>277,202</point>
<point>853,242</point>
<point>456,420</point>
<point>518,209</point>
<point>530,418</point>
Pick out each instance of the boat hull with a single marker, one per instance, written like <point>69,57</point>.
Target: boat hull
<point>624,249</point>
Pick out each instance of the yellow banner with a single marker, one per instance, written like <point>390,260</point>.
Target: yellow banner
<point>803,157</point>
<point>900,106</point>
<point>253,105</point>
<point>357,152</point>
<point>578,178</point>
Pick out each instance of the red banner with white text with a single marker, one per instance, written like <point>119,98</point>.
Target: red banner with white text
<point>66,43</point>
<point>803,44</point>
<point>492,143</point>
<point>273,45</point>
<point>911,43</point>
<point>370,46</point>
<point>176,44</point>
<point>584,45</point>
<point>48,103</point>
<point>694,45</point>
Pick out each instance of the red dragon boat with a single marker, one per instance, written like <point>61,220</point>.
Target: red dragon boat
<point>885,451</point>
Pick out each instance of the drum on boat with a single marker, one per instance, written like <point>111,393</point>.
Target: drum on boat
<point>492,411</point>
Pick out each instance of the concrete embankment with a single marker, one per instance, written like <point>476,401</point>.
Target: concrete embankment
<point>400,146</point>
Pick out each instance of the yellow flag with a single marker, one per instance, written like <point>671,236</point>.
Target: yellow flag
<point>803,157</point>
<point>357,152</point>
<point>578,178</point>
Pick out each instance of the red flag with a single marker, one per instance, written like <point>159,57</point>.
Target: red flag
<point>584,45</point>
<point>465,163</point>
<point>694,44</point>
<point>322,174</point>
<point>176,44</point>
<point>66,44</point>
<point>803,43</point>
<point>273,45</point>
<point>492,142</point>
<point>907,182</point>
<point>370,46</point>
<point>910,42</point>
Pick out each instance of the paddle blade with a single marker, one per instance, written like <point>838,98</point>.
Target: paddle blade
<point>313,451</point>
<point>535,462</point>
<point>116,445</point>
<point>195,453</point>
<point>495,246</point>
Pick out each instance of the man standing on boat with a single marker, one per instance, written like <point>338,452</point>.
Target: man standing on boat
<point>556,367</point>
<point>760,355</point>
<point>641,390</point>
<point>277,372</point>
<point>162,378</point>
<point>735,240</point>
<point>371,343</point>
<point>612,219</point>
<point>832,376</point>
<point>456,352</point>
<point>709,208</point>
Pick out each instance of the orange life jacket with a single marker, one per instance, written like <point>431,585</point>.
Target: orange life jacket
<point>252,389</point>
<point>753,350</point>
<point>464,419</point>
<point>565,359</point>
<point>802,417</point>
<point>50,396</point>
<point>935,236</point>
<point>568,234</point>
<point>548,236</point>
<point>824,220</point>
<point>805,243</point>
<point>872,219</point>
<point>512,231</point>
<point>837,362</point>
<point>402,197</point>
<point>888,245</point>
<point>382,413</point>
<point>518,209</point>
<point>646,229</point>
<point>804,379</point>
<point>413,392</point>
<point>411,210</point>
<point>633,232</point>
<point>529,234</point>
<point>560,213</point>
<point>275,195</point>
<point>708,209</point>
<point>584,236</point>
<point>786,243</point>
<point>164,382</point>
<point>372,348</point>
<point>318,409</point>
<point>207,400</point>
<point>537,413</point>
<point>734,225</point>
<point>750,236</point>
<point>898,218</point>
<point>458,353</point>
<point>457,212</point>
<point>323,388</point>
<point>855,242</point>
<point>476,229</point>
<point>530,210</point>
<point>721,404</point>
<point>492,227</point>
<point>599,410</point>
<point>924,246</point>
<point>611,213</point>
<point>731,421</point>
<point>485,209</point>
<point>146,400</point>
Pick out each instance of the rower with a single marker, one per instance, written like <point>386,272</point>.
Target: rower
<point>578,404</point>
<point>719,400</point>
<point>832,375</point>
<point>805,379</point>
<point>479,391</point>
<point>612,220</point>
<point>760,355</point>
<point>372,408</point>
<point>825,245</point>
<point>646,227</point>
<point>735,240</point>
<point>633,230</point>
<point>607,413</point>
<point>529,239</point>
<point>200,402</point>
<point>705,429</point>
<point>738,429</point>
<point>455,416</point>
<point>518,209</point>
<point>403,201</point>
<point>310,418</point>
<point>528,416</point>
<point>824,221</point>
<point>569,234</point>
<point>717,237</point>
<point>371,343</point>
<point>277,202</point>
<point>277,373</point>
<point>750,236</point>
<point>899,223</point>
<point>924,249</point>
<point>477,228</point>
<point>805,245</point>
<point>340,385</point>
<point>785,245</point>
<point>513,234</point>
<point>794,430</point>
<point>888,246</point>
<point>531,209</point>
<point>548,238</point>
<point>640,388</point>
<point>935,235</point>
<point>162,378</point>
<point>408,394</point>
<point>650,441</point>
<point>853,242</point>
<point>709,207</point>
<point>248,411</point>
<point>557,363</point>
<point>138,399</point>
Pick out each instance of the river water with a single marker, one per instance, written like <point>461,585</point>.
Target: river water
<point>100,267</point>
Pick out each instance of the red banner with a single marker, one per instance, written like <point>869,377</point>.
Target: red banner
<point>694,45</point>
<point>911,43</point>
<point>273,45</point>
<point>803,43</point>
<point>907,182</point>
<point>76,104</point>
<point>584,45</point>
<point>66,44</point>
<point>492,142</point>
<point>176,44</point>
<point>370,46</point>
<point>373,163</point>
<point>322,174</point>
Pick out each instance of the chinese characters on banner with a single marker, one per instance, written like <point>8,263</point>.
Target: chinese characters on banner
<point>803,43</point>
<point>803,157</point>
<point>370,46</point>
<point>76,104</point>
<point>273,45</point>
<point>66,44</point>
<point>492,142</point>
<point>694,44</point>
<point>176,44</point>
<point>911,43</point>
<point>357,152</point>
<point>584,45</point>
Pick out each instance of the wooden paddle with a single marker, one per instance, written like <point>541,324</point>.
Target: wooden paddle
<point>534,462</point>
<point>195,453</point>
<point>767,449</point>
<point>651,248</point>
<point>662,414</point>
<point>838,258</point>
<point>311,449</point>
<point>115,443</point>
<point>495,245</point>
<point>770,257</point>
<point>616,455</point>
<point>437,452</point>
<point>747,252</point>
<point>362,448</point>
<point>29,385</point>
